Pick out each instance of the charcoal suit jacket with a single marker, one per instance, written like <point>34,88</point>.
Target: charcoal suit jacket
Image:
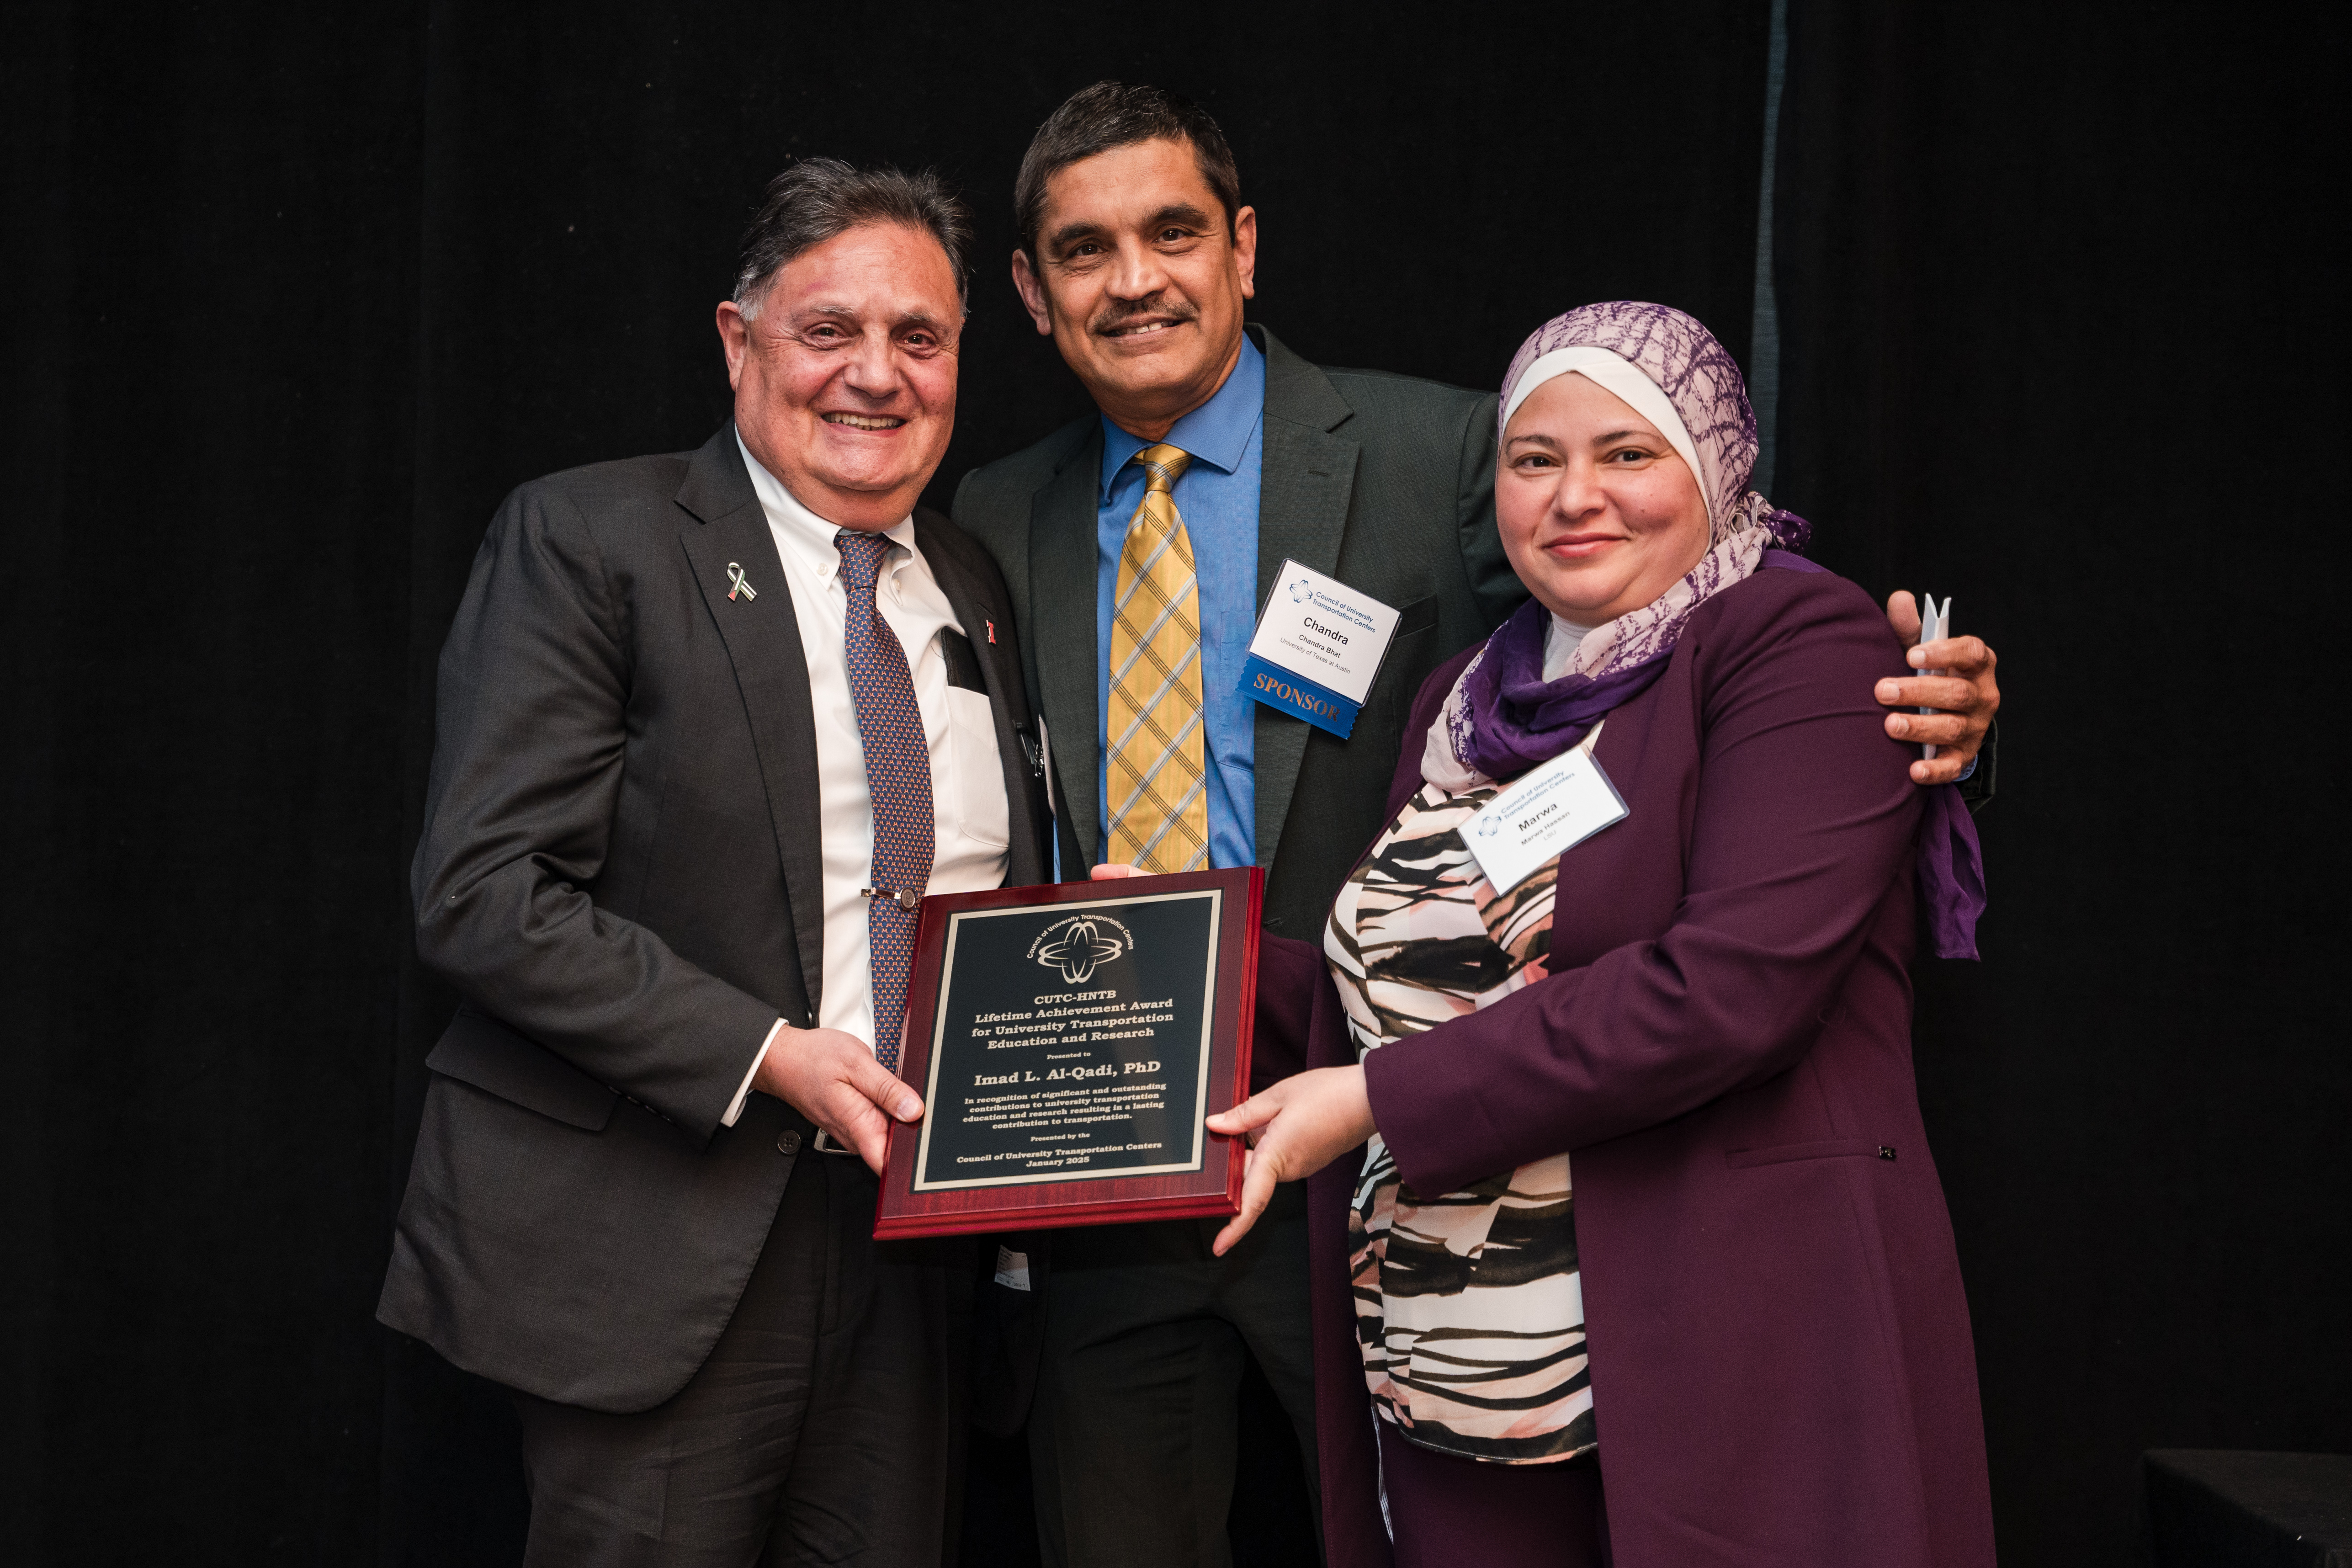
<point>621,873</point>
<point>1385,482</point>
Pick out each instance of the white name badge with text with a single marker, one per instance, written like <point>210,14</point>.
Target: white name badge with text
<point>1546,812</point>
<point>1319,647</point>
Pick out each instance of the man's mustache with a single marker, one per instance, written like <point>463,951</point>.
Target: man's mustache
<point>1119,314</point>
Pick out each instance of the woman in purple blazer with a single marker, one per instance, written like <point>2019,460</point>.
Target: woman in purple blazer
<point>1625,984</point>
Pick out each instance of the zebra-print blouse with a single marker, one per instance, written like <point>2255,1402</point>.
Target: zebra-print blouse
<point>1469,1306</point>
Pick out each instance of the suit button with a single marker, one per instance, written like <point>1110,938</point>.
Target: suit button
<point>788,1142</point>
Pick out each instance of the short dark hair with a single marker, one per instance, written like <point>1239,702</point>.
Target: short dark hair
<point>1114,114</point>
<point>819,198</point>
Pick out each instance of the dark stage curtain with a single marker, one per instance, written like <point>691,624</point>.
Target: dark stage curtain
<point>209,340</point>
<point>2060,293</point>
<point>295,296</point>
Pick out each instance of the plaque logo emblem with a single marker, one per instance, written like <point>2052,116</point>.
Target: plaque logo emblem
<point>1076,945</point>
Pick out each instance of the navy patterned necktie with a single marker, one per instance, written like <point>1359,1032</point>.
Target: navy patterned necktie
<point>897,777</point>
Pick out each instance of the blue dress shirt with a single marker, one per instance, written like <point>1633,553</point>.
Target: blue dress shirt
<point>1217,498</point>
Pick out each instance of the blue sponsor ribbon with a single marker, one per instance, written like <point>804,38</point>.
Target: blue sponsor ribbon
<point>1318,705</point>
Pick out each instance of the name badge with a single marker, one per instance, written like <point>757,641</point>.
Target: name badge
<point>1546,812</point>
<point>1319,647</point>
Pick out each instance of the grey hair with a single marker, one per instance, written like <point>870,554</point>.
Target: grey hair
<point>820,198</point>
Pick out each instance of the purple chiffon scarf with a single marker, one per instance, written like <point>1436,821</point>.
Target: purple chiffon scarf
<point>1503,717</point>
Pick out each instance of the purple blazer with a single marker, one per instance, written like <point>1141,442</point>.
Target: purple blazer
<point>1781,1367</point>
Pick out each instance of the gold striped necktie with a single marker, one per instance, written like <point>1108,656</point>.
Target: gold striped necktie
<point>1158,765</point>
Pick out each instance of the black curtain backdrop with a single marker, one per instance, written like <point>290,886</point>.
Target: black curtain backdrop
<point>296,295</point>
<point>210,342</point>
<point>2060,306</point>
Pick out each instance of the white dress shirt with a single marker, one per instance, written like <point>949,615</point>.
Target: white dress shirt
<point>969,825</point>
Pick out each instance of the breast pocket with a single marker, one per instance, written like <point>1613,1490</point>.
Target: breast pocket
<point>977,768</point>
<point>1417,616</point>
<point>1793,1153</point>
<point>1412,655</point>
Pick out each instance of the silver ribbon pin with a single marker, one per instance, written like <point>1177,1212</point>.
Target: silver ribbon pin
<point>735,577</point>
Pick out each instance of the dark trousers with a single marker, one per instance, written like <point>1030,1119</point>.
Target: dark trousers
<point>828,1426</point>
<point>1446,1510</point>
<point>1132,1439</point>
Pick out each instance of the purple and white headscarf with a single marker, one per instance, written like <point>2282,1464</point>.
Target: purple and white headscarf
<point>1503,717</point>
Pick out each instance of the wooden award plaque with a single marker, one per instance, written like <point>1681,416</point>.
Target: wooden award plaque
<point>1067,1041</point>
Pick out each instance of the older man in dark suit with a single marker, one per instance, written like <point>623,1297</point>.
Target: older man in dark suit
<point>1136,256</point>
<point>710,725</point>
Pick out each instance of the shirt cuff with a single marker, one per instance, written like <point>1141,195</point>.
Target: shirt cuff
<point>735,1106</point>
<point>1965,774</point>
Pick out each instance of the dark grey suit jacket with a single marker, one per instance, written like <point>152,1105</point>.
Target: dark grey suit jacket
<point>1383,481</point>
<point>621,872</point>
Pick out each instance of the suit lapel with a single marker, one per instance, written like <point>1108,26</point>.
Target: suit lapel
<point>1305,478</point>
<point>726,526</point>
<point>1062,578</point>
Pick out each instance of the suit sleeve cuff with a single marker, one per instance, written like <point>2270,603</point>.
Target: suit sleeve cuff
<point>735,1106</point>
<point>1977,783</point>
<point>1429,1115</point>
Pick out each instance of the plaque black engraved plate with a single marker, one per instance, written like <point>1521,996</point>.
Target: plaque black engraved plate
<point>1069,1042</point>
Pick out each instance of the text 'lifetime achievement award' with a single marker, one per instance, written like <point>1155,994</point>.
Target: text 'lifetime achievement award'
<point>1069,1042</point>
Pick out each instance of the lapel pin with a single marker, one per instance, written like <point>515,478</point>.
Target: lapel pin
<point>735,578</point>
<point>992,632</point>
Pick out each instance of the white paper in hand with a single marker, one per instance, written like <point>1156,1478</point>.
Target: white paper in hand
<point>1935,622</point>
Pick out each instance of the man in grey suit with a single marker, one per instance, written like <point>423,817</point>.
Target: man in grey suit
<point>1136,257</point>
<point>710,724</point>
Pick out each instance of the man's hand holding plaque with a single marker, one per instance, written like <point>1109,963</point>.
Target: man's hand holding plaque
<point>834,1080</point>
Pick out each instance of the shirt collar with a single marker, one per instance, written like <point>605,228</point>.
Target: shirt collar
<point>1217,433</point>
<point>808,536</point>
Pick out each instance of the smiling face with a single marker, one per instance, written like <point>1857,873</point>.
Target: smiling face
<point>1599,514</point>
<point>845,381</point>
<point>1139,281</point>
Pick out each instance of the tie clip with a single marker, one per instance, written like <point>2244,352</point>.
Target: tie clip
<point>898,896</point>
